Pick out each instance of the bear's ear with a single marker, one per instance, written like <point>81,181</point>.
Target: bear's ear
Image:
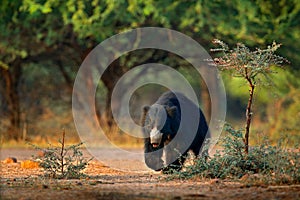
<point>171,111</point>
<point>146,109</point>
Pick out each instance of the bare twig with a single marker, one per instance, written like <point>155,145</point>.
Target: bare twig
<point>62,152</point>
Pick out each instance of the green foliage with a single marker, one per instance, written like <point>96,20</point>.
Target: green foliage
<point>285,117</point>
<point>253,22</point>
<point>274,164</point>
<point>62,161</point>
<point>50,23</point>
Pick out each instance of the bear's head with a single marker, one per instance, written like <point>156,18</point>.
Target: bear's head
<point>157,120</point>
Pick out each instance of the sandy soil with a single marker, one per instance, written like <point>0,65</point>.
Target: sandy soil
<point>104,182</point>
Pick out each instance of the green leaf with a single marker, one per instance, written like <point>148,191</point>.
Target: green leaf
<point>4,65</point>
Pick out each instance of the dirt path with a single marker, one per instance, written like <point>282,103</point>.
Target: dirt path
<point>107,183</point>
<point>130,160</point>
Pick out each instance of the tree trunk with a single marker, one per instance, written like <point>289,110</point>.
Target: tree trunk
<point>110,78</point>
<point>206,102</point>
<point>11,79</point>
<point>249,114</point>
<point>205,96</point>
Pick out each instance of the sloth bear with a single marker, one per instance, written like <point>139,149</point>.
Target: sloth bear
<point>173,125</point>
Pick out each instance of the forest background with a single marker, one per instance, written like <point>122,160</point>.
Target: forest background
<point>43,43</point>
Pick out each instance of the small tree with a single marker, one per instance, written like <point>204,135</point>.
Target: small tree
<point>63,161</point>
<point>247,64</point>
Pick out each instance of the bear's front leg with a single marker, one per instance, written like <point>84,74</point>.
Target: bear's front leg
<point>153,156</point>
<point>174,159</point>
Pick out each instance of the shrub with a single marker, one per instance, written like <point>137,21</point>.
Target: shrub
<point>275,164</point>
<point>62,161</point>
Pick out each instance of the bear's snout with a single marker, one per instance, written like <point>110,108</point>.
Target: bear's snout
<point>155,137</point>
